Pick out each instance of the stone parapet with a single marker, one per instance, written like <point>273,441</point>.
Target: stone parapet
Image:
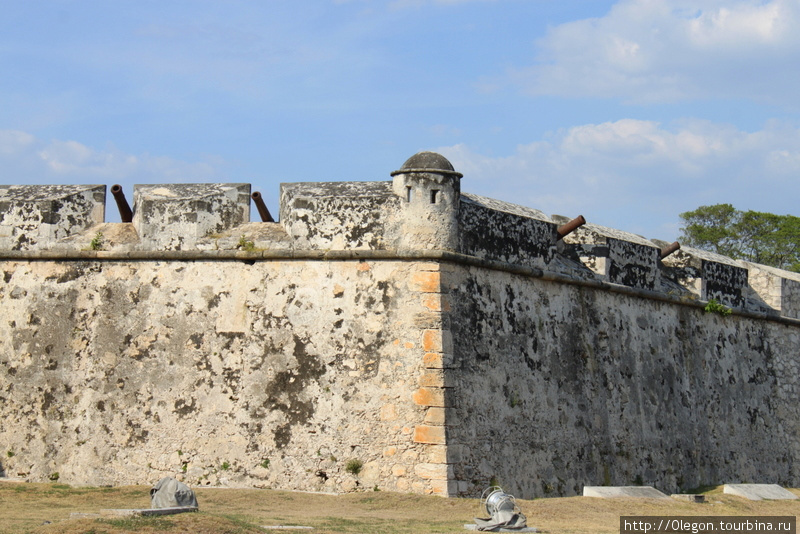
<point>491,229</point>
<point>774,289</point>
<point>376,217</point>
<point>708,276</point>
<point>175,217</point>
<point>619,257</point>
<point>36,216</point>
<point>338,215</point>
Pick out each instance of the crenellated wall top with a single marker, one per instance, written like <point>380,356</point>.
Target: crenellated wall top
<point>421,209</point>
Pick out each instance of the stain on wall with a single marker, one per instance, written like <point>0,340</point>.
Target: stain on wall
<point>557,387</point>
<point>267,375</point>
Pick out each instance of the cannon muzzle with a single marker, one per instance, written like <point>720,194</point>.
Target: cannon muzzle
<point>669,249</point>
<point>262,208</point>
<point>566,229</point>
<point>125,213</point>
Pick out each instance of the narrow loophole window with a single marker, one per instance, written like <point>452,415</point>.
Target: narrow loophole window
<point>409,193</point>
<point>434,196</point>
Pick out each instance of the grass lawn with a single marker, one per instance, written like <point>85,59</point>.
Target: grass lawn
<point>24,508</point>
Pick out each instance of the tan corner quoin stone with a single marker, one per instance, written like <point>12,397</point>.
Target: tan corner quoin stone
<point>432,340</point>
<point>432,471</point>
<point>434,303</point>
<point>430,266</point>
<point>425,282</point>
<point>433,360</point>
<point>429,434</point>
<point>429,397</point>
<point>436,454</point>
<point>435,416</point>
<point>436,360</point>
<point>443,488</point>
<point>432,379</point>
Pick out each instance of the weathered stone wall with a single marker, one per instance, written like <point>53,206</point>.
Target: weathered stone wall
<point>178,216</point>
<point>775,289</point>
<point>32,216</point>
<point>503,232</point>
<point>445,341</point>
<point>338,215</point>
<point>271,374</point>
<point>557,386</point>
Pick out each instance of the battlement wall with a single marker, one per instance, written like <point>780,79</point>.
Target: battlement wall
<point>378,216</point>
<point>431,334</point>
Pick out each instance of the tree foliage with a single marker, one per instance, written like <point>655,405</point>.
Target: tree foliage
<point>754,236</point>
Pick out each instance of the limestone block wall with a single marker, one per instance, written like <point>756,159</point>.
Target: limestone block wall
<point>776,289</point>
<point>338,215</point>
<point>709,276</point>
<point>558,386</point>
<point>618,257</point>
<point>35,216</point>
<point>440,340</point>
<point>270,374</point>
<point>490,229</point>
<point>175,217</point>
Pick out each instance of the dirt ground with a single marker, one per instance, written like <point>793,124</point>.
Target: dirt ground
<point>46,509</point>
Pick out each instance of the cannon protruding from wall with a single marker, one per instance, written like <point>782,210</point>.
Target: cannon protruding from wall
<point>707,275</point>
<point>669,249</point>
<point>263,212</point>
<point>125,213</point>
<point>566,229</point>
<point>619,257</point>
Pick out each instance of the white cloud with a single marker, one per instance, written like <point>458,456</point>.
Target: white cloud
<point>26,159</point>
<point>665,50</point>
<point>639,175</point>
<point>13,142</point>
<point>418,3</point>
<point>746,24</point>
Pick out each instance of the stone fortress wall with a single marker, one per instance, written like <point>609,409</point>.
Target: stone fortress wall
<point>398,335</point>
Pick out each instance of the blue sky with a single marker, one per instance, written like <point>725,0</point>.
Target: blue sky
<point>627,112</point>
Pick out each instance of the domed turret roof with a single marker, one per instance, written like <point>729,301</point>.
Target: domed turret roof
<point>428,162</point>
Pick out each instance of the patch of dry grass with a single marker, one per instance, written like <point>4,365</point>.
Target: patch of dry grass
<point>24,507</point>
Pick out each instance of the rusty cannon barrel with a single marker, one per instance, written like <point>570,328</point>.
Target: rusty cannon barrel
<point>669,249</point>
<point>125,213</point>
<point>566,229</point>
<point>262,208</point>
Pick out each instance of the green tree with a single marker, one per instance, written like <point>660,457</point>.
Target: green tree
<point>711,228</point>
<point>754,236</point>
